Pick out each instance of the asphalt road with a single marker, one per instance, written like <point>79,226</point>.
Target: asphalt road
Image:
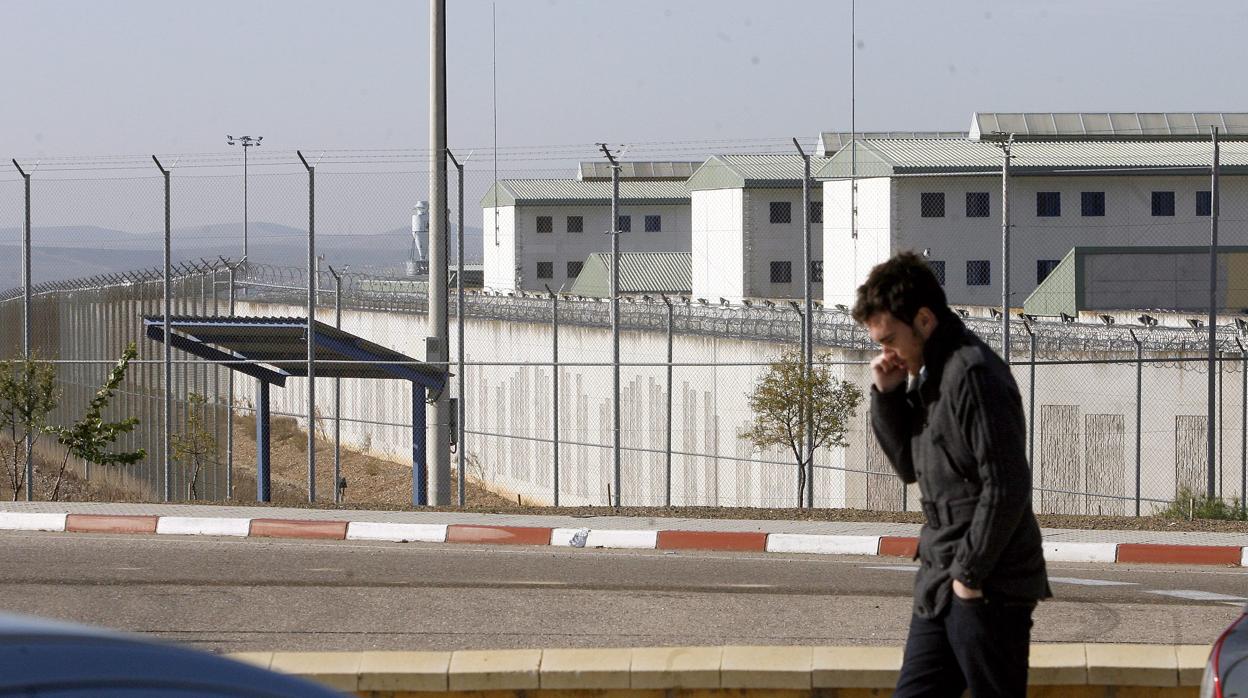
<point>256,594</point>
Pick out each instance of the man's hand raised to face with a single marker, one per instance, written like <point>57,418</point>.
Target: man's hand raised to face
<point>888,371</point>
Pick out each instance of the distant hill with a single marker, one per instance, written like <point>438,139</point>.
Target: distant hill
<point>67,252</point>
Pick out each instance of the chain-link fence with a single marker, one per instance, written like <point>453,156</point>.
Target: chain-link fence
<point>1118,410</point>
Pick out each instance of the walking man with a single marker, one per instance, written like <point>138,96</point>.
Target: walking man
<point>948,415</point>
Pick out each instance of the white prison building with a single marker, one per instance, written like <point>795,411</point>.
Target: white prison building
<point>539,232</point>
<point>1086,186</point>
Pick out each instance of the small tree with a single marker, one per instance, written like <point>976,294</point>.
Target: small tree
<point>90,437</point>
<point>195,445</point>
<point>28,395</point>
<point>783,398</point>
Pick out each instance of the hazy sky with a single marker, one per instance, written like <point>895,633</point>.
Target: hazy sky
<point>84,77</point>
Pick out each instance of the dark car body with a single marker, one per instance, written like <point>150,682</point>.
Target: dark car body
<point>1226,674</point>
<point>47,659</point>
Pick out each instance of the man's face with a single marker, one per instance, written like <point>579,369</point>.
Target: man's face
<point>900,341</point>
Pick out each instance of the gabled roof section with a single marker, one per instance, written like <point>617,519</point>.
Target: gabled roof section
<point>830,142</point>
<point>752,171</point>
<point>640,272</point>
<point>884,158</point>
<point>1105,125</point>
<point>658,170</point>
<point>572,192</point>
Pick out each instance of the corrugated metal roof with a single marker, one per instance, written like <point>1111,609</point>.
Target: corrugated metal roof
<point>882,158</point>
<point>640,272</point>
<point>744,171</point>
<point>573,191</point>
<point>1107,124</point>
<point>589,171</point>
<point>832,141</point>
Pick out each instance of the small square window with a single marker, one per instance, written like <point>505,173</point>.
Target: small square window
<point>978,272</point>
<point>545,270</point>
<point>815,212</point>
<point>574,269</point>
<point>1204,203</point>
<point>576,224</point>
<point>932,204</point>
<point>624,224</point>
<point>938,269</point>
<point>1048,204</point>
<point>816,271</point>
<point>1163,203</point>
<point>977,204</point>
<point>781,272</point>
<point>1092,203</point>
<point>654,224</point>
<point>781,212</point>
<point>1044,267</point>
<point>545,224</point>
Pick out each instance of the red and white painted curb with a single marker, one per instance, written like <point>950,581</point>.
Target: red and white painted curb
<point>892,546</point>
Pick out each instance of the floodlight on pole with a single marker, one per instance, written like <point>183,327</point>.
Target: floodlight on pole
<point>247,142</point>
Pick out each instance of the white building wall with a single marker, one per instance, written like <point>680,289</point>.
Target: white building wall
<point>767,242</point>
<point>894,204</point>
<point>847,259</point>
<point>498,231</point>
<point>560,247</point>
<point>718,244</point>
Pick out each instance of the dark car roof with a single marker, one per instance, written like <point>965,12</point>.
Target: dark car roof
<point>46,658</point>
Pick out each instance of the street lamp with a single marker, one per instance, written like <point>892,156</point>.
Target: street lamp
<point>247,142</point>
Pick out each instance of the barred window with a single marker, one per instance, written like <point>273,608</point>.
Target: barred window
<point>781,212</point>
<point>1204,203</point>
<point>1044,267</point>
<point>978,272</point>
<point>545,270</point>
<point>545,224</point>
<point>1093,203</point>
<point>654,224</point>
<point>815,212</point>
<point>576,224</point>
<point>938,269</point>
<point>624,224</point>
<point>1163,203</point>
<point>781,272</point>
<point>932,204</point>
<point>816,271</point>
<point>1048,204</point>
<point>574,269</point>
<point>977,204</point>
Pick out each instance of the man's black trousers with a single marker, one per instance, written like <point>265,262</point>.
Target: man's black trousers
<point>977,643</point>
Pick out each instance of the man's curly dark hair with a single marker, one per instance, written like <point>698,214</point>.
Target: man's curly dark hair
<point>900,287</point>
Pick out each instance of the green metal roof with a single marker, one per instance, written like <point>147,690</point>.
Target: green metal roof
<point>1063,291</point>
<point>888,157</point>
<point>752,171</point>
<point>640,272</point>
<point>553,192</point>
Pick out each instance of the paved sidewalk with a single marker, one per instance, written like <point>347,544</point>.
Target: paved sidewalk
<point>816,537</point>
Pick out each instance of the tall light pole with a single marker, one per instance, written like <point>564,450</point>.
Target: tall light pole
<point>247,142</point>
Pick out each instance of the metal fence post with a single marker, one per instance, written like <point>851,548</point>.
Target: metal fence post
<point>1005,249</point>
<point>311,333</point>
<point>166,309</point>
<point>1243,430</point>
<point>460,455</point>
<point>337,391</point>
<point>1139,414</point>
<point>615,320</point>
<point>667,424</point>
<point>1211,484</point>
<point>1031,397</point>
<point>554,367</point>
<point>808,364</point>
<point>229,386</point>
<point>26,292</point>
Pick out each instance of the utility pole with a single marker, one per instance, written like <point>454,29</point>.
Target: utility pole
<point>437,438</point>
<point>247,142</point>
<point>615,318</point>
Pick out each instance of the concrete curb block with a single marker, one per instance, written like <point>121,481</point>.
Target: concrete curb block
<point>1080,552</point>
<point>202,526</point>
<point>16,521</point>
<point>1127,670</point>
<point>634,539</point>
<point>398,533</point>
